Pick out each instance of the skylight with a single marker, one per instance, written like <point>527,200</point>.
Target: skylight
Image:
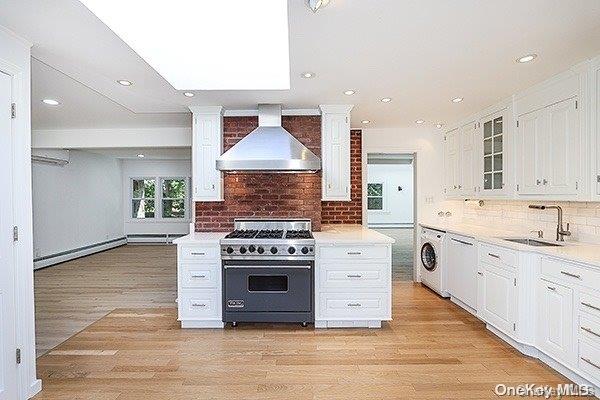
<point>205,44</point>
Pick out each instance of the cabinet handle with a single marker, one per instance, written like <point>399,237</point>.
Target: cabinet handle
<point>198,254</point>
<point>354,305</point>
<point>353,276</point>
<point>545,182</point>
<point>494,255</point>
<point>354,253</point>
<point>479,273</point>
<point>587,360</point>
<point>455,187</point>
<point>589,330</point>
<point>462,242</point>
<point>198,305</point>
<point>551,288</point>
<point>570,274</point>
<point>213,186</point>
<point>459,186</point>
<point>198,276</point>
<point>538,182</point>
<point>593,307</point>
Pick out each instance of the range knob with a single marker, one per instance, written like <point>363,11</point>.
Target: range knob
<point>260,250</point>
<point>291,250</point>
<point>229,250</point>
<point>273,250</point>
<point>251,248</point>
<point>304,250</point>
<point>242,250</point>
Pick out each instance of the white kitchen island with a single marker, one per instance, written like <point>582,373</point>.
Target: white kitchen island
<point>353,270</point>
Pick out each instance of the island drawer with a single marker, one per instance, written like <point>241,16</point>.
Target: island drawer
<point>498,256</point>
<point>201,304</point>
<point>199,276</point>
<point>198,253</point>
<point>354,306</point>
<point>589,359</point>
<point>354,252</point>
<point>589,328</point>
<point>571,273</point>
<point>354,276</point>
<point>589,303</point>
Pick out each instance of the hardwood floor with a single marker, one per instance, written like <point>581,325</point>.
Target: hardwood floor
<point>431,350</point>
<point>73,295</point>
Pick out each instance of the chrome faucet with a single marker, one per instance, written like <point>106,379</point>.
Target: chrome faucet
<point>560,231</point>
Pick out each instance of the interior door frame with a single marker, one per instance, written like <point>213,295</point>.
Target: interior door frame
<point>415,156</point>
<point>28,384</point>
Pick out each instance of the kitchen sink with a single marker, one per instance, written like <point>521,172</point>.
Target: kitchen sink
<point>531,242</point>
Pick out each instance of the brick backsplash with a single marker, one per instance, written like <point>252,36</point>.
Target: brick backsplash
<point>584,217</point>
<point>348,212</point>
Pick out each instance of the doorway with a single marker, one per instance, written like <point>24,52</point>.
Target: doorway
<point>391,206</point>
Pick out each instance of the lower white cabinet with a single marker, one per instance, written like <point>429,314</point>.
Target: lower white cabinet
<point>461,266</point>
<point>353,285</point>
<point>555,321</point>
<point>497,299</point>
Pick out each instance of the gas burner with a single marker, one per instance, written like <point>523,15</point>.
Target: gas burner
<point>298,234</point>
<point>242,234</point>
<point>270,234</point>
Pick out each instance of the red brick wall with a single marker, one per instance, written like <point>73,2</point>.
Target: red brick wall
<point>266,195</point>
<point>348,212</point>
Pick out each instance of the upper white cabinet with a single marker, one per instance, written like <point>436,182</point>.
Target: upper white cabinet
<point>335,157</point>
<point>207,146</point>
<point>494,154</point>
<point>459,159</point>
<point>452,162</point>
<point>548,150</point>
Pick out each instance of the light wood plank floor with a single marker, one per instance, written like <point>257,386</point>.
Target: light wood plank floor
<point>431,350</point>
<point>73,295</point>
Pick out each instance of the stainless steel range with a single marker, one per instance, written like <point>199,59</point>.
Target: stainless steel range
<point>268,271</point>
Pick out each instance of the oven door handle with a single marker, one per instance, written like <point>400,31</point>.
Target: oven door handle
<point>267,266</point>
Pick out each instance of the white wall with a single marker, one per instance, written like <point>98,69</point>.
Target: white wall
<point>397,204</point>
<point>427,143</point>
<point>153,168</point>
<point>78,204</point>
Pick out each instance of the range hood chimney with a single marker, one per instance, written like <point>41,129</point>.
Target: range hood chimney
<point>269,148</point>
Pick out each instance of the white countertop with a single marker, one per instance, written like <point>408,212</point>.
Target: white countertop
<point>350,234</point>
<point>201,237</point>
<point>588,253</point>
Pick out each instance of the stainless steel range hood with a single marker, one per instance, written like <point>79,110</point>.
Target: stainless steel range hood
<point>269,148</point>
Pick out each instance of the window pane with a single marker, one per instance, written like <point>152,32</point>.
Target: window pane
<point>375,203</point>
<point>487,181</point>
<point>375,189</point>
<point>173,209</point>
<point>497,144</point>
<point>143,188</point>
<point>498,126</point>
<point>497,162</point>
<point>498,180</point>
<point>487,146</point>
<point>174,188</point>
<point>487,164</point>
<point>142,209</point>
<point>487,129</point>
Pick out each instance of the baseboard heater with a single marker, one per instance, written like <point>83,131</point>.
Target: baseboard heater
<point>153,238</point>
<point>57,258</point>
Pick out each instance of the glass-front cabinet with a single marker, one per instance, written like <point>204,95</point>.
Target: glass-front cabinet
<point>493,154</point>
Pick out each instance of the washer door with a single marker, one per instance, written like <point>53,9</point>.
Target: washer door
<point>428,257</point>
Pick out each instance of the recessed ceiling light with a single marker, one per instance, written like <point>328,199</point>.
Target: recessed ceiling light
<point>349,92</point>
<point>308,75</point>
<point>527,58</point>
<point>365,121</point>
<point>124,82</point>
<point>141,156</point>
<point>439,125</point>
<point>188,94</point>
<point>251,23</point>
<point>419,121</point>
<point>50,102</point>
<point>386,100</point>
<point>457,99</point>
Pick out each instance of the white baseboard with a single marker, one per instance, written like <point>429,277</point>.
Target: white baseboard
<point>35,388</point>
<point>370,323</point>
<point>463,305</point>
<point>191,324</point>
<point>76,253</point>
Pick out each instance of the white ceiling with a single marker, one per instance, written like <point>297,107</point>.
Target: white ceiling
<point>419,52</point>
<point>149,153</point>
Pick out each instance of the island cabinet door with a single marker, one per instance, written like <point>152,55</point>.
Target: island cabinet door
<point>498,298</point>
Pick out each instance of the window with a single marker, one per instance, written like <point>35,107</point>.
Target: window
<point>143,198</point>
<point>173,198</point>
<point>375,196</point>
<point>159,198</point>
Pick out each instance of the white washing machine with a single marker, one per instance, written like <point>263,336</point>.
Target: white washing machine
<point>431,260</point>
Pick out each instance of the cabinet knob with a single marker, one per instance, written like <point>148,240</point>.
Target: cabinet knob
<point>545,181</point>
<point>537,182</point>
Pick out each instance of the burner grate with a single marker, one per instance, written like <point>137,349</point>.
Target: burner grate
<point>242,234</point>
<point>301,234</point>
<point>270,234</point>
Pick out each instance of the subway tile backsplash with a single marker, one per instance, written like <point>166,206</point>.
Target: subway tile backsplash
<point>583,217</point>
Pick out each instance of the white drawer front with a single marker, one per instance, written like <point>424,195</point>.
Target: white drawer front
<point>589,303</point>
<point>498,256</point>
<point>354,276</point>
<point>199,305</point>
<point>198,253</point>
<point>589,359</point>
<point>354,252</point>
<point>354,305</point>
<point>199,276</point>
<point>589,328</point>
<point>571,273</point>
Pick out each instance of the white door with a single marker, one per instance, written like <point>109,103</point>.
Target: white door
<point>8,366</point>
<point>562,152</point>
<point>530,152</point>
<point>499,298</point>
<point>461,267</point>
<point>467,159</point>
<point>555,321</point>
<point>207,180</point>
<point>336,147</point>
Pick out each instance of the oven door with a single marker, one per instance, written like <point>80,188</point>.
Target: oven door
<point>267,286</point>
